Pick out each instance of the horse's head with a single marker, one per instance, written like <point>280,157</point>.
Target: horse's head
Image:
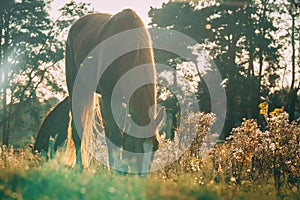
<point>140,143</point>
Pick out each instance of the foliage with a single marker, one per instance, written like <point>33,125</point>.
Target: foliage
<point>20,158</point>
<point>24,126</point>
<point>31,54</point>
<point>248,157</point>
<point>30,48</point>
<point>188,145</point>
<point>243,40</point>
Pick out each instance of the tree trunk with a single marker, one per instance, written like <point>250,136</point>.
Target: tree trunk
<point>292,103</point>
<point>5,132</point>
<point>230,92</point>
<point>256,100</point>
<point>4,76</point>
<point>293,91</point>
<point>1,60</point>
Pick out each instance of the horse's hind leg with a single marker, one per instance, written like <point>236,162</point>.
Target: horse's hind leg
<point>113,135</point>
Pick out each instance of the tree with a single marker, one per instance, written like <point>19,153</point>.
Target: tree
<point>238,36</point>
<point>294,87</point>
<point>18,37</point>
<point>32,47</point>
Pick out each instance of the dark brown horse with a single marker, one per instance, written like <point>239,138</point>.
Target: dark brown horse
<point>55,124</point>
<point>85,34</point>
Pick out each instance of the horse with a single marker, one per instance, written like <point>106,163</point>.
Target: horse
<point>134,154</point>
<point>55,123</point>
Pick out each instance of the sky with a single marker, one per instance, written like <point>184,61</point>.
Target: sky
<point>141,7</point>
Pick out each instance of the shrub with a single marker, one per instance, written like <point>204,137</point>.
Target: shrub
<point>248,157</point>
<point>250,154</point>
<point>20,158</point>
<point>192,140</point>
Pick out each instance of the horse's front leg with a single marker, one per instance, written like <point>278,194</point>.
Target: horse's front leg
<point>139,154</point>
<point>113,154</point>
<point>113,136</point>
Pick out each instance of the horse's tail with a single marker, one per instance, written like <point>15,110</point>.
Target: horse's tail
<point>70,154</point>
<point>87,120</point>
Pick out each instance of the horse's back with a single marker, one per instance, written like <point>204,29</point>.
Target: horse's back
<point>90,30</point>
<point>85,34</point>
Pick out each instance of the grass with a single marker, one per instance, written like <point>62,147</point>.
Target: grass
<point>53,181</point>
<point>64,183</point>
<point>250,164</point>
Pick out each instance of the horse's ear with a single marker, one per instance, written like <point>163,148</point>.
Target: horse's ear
<point>160,116</point>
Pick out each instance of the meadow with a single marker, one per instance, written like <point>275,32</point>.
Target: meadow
<point>253,163</point>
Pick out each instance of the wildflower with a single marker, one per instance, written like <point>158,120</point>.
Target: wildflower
<point>232,179</point>
<point>264,107</point>
<point>272,146</point>
<point>277,111</point>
